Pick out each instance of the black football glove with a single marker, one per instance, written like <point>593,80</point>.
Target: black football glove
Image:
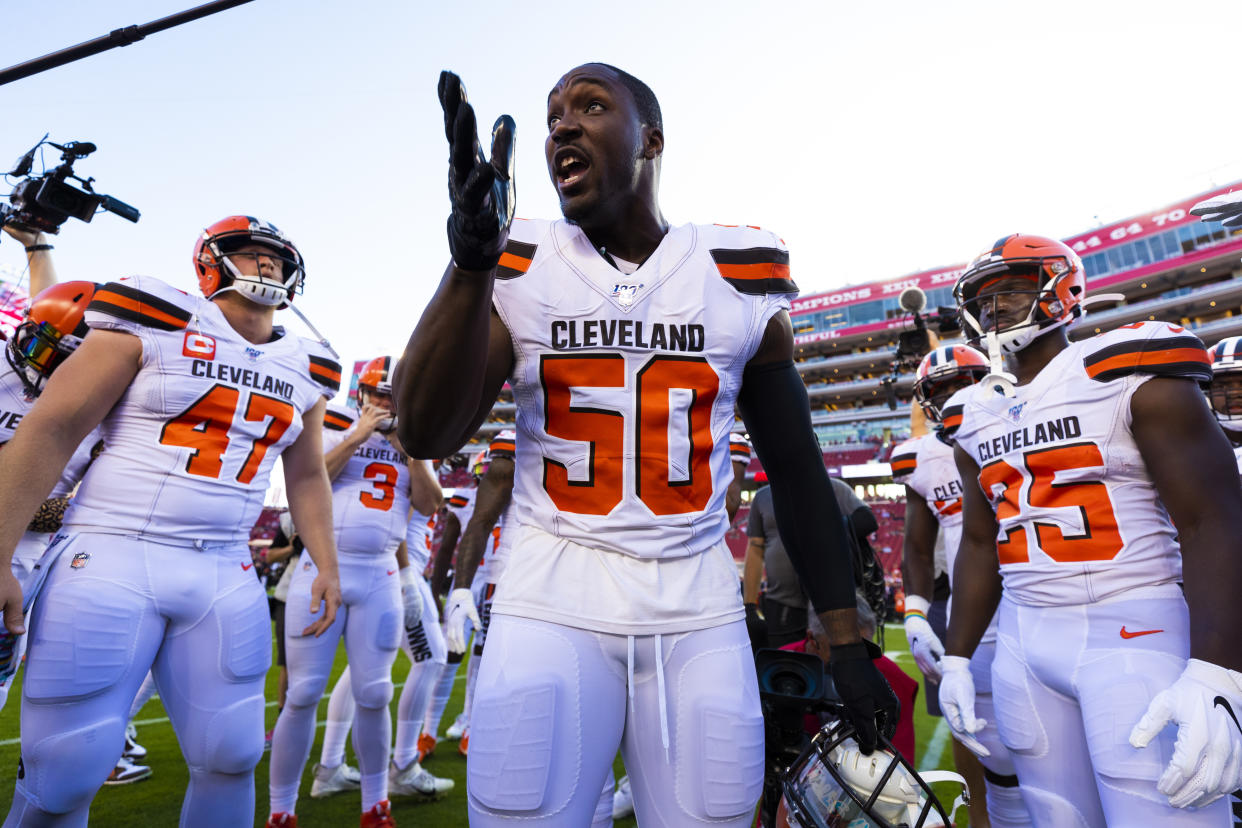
<point>869,701</point>
<point>482,193</point>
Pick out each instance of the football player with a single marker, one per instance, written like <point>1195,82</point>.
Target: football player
<point>1078,460</point>
<point>476,573</point>
<point>423,644</point>
<point>1224,393</point>
<point>628,343</point>
<point>739,454</point>
<point>934,507</point>
<point>198,397</point>
<point>373,487</point>
<point>459,508</point>
<point>54,327</point>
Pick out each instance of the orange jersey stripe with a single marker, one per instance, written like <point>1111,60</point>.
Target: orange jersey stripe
<point>759,270</point>
<point>517,263</point>
<point>141,308</point>
<point>1135,359</point>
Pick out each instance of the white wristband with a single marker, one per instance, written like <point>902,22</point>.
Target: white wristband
<point>917,603</point>
<point>408,577</point>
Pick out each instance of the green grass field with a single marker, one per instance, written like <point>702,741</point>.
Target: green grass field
<point>157,801</point>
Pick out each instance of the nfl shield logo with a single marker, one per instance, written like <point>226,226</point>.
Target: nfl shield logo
<point>79,560</point>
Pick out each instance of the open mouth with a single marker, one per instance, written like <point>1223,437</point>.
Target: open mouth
<point>569,166</point>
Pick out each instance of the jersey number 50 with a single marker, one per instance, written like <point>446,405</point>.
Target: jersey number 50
<point>604,430</point>
<point>1099,540</point>
<point>204,428</point>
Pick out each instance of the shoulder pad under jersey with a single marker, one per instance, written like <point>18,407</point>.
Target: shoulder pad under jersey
<point>504,444</point>
<point>338,418</point>
<point>905,460</point>
<point>1154,348</point>
<point>140,301</point>
<point>524,238</point>
<point>752,260</point>
<point>322,367</point>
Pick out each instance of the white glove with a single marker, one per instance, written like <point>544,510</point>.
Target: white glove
<point>460,607</point>
<point>1226,209</point>
<point>957,702</point>
<point>411,597</point>
<point>1206,704</point>
<point>925,646</point>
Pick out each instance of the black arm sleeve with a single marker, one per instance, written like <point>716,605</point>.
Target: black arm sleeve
<point>774,404</point>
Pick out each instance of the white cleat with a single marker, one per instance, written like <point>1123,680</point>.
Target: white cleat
<point>622,799</point>
<point>329,781</point>
<point>460,725</point>
<point>416,782</point>
<point>133,750</point>
<point>127,772</point>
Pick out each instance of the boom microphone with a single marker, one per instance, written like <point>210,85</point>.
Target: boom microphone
<point>913,300</point>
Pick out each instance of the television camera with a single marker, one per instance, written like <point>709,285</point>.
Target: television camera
<point>914,343</point>
<point>46,201</point>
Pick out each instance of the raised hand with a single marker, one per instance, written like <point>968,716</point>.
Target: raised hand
<point>482,192</point>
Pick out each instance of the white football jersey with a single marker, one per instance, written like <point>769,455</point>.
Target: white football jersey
<point>14,405</point>
<point>1080,519</point>
<point>502,445</point>
<point>625,388</point>
<point>926,465</point>
<point>418,539</point>
<point>191,443</point>
<point>739,448</point>
<point>371,495</point>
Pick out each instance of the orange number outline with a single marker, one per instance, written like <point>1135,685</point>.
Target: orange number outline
<point>204,426</point>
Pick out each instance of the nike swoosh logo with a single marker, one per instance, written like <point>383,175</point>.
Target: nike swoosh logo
<point>1221,701</point>
<point>1126,634</point>
<point>391,571</point>
<point>247,566</point>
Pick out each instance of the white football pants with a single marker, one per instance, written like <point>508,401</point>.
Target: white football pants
<point>1068,688</point>
<point>113,608</point>
<point>553,704</point>
<point>424,645</point>
<point>29,549</point>
<point>1005,806</point>
<point>370,619</point>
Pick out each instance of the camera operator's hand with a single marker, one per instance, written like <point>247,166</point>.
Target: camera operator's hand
<point>756,628</point>
<point>482,193</point>
<point>869,700</point>
<point>25,235</point>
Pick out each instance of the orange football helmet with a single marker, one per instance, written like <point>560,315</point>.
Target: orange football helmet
<point>1060,286</point>
<point>942,367</point>
<point>55,326</point>
<point>216,272</point>
<point>376,378</point>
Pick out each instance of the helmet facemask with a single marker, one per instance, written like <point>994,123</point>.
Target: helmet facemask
<point>35,350</point>
<point>1224,393</point>
<point>258,288</point>
<point>833,784</point>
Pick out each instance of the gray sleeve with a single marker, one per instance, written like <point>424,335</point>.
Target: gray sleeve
<point>754,521</point>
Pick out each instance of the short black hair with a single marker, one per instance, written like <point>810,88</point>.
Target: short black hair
<point>644,98</point>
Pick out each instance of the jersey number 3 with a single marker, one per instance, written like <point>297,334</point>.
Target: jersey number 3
<point>1099,539</point>
<point>204,428</point>
<point>604,430</point>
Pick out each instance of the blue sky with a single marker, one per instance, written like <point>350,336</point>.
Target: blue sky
<point>877,139</point>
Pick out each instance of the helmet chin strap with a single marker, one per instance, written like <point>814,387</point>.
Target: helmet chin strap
<point>285,303</point>
<point>998,380</point>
